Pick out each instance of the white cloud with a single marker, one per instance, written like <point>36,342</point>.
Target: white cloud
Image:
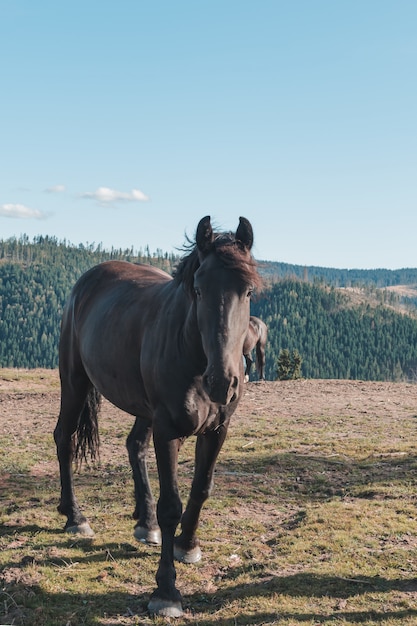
<point>105,195</point>
<point>20,211</point>
<point>138,195</point>
<point>55,189</point>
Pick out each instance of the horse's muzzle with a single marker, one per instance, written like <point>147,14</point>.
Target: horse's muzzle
<point>221,389</point>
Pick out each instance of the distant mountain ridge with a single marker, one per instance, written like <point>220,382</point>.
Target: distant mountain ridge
<point>339,277</point>
<point>22,249</point>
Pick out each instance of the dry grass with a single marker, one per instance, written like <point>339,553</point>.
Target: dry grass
<point>23,380</point>
<point>313,519</point>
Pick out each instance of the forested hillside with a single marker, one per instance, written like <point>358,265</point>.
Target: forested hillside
<point>336,336</point>
<point>35,280</point>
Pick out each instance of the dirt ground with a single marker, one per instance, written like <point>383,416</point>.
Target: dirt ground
<point>305,417</point>
<point>29,394</point>
<point>330,397</point>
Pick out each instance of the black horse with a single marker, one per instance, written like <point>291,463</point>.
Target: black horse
<point>167,350</point>
<point>256,337</point>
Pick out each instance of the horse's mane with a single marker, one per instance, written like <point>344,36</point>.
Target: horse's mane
<point>234,256</point>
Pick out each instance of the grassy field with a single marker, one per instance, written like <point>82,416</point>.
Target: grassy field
<point>313,519</point>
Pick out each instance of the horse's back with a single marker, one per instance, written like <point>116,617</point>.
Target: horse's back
<point>105,274</point>
<point>106,317</point>
<point>115,283</point>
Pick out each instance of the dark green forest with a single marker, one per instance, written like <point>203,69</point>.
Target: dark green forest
<point>335,338</point>
<point>36,278</point>
<point>304,311</point>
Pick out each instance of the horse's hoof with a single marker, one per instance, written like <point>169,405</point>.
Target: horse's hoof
<point>146,535</point>
<point>81,529</point>
<point>165,608</point>
<point>187,556</point>
<point>246,379</point>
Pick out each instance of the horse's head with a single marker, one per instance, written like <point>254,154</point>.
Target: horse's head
<point>223,284</point>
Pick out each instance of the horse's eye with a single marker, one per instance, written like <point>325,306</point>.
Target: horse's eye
<point>249,293</point>
<point>197,292</point>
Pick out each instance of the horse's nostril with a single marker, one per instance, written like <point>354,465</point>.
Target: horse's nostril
<point>220,389</point>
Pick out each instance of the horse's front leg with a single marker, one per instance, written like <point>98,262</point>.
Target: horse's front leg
<point>248,362</point>
<point>166,599</point>
<point>260,360</point>
<point>137,444</point>
<point>187,549</point>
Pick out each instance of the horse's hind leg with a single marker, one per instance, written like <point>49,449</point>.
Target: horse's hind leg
<point>187,549</point>
<point>260,360</point>
<point>147,529</point>
<point>248,362</point>
<point>73,399</point>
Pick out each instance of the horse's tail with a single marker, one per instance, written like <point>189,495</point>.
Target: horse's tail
<point>87,440</point>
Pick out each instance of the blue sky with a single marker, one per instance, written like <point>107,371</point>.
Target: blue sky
<point>123,123</point>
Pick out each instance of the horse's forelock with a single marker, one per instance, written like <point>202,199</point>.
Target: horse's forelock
<point>234,256</point>
<point>237,257</point>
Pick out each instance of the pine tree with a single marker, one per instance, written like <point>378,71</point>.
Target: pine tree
<point>289,365</point>
<point>296,362</point>
<point>284,365</point>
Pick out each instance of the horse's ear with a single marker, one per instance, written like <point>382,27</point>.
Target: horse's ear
<point>244,232</point>
<point>204,236</point>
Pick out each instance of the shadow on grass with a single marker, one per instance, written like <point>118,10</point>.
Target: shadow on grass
<point>317,478</point>
<point>40,608</point>
<point>308,586</point>
<point>34,606</point>
<point>296,476</point>
<point>94,551</point>
<point>312,478</point>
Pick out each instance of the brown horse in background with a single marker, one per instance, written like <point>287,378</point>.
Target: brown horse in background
<point>256,338</point>
<point>167,350</point>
